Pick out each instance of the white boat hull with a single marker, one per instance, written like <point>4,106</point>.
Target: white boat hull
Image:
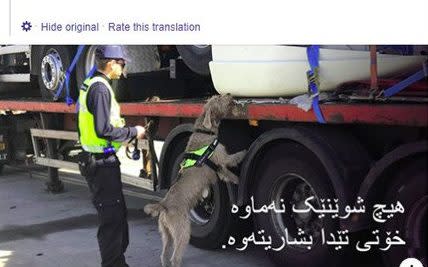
<point>263,71</point>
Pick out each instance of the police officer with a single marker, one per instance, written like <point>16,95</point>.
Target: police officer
<point>101,132</point>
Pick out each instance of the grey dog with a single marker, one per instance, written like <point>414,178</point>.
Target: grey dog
<point>173,210</point>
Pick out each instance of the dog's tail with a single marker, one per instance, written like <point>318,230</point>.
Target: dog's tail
<point>154,209</point>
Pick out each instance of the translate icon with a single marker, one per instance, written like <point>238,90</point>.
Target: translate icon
<point>26,26</point>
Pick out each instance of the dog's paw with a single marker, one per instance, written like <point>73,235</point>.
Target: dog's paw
<point>166,263</point>
<point>153,209</point>
<point>228,177</point>
<point>153,99</point>
<point>242,155</point>
<point>234,179</point>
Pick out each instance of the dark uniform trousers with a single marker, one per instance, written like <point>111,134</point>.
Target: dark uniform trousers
<point>107,197</point>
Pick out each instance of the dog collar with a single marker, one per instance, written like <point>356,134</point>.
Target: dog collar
<point>204,131</point>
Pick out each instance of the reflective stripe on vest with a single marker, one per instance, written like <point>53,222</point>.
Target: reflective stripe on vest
<point>88,137</point>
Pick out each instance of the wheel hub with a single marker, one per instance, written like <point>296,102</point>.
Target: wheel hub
<point>294,190</point>
<point>52,70</point>
<point>203,211</point>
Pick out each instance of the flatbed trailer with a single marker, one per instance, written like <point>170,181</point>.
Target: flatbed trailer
<point>335,113</point>
<point>368,149</point>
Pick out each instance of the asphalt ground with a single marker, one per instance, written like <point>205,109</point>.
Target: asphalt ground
<point>41,229</point>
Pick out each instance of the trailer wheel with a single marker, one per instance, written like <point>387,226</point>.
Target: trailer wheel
<point>211,219</point>
<point>86,63</point>
<point>288,174</point>
<point>1,168</point>
<point>54,61</point>
<point>196,57</point>
<point>409,186</point>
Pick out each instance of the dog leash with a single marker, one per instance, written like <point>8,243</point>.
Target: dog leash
<point>136,153</point>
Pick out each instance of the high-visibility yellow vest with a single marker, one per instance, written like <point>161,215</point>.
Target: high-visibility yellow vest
<point>88,137</point>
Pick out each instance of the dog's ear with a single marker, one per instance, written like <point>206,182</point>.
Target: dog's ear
<point>207,119</point>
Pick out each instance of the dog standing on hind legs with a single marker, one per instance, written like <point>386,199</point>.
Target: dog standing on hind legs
<point>206,160</point>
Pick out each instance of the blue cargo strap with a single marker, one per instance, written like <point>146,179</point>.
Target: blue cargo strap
<point>406,82</point>
<point>70,69</point>
<point>91,72</point>
<point>313,80</point>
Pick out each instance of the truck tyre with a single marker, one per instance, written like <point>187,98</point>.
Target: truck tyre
<point>291,172</point>
<point>1,168</point>
<point>84,66</point>
<point>196,57</point>
<point>409,186</point>
<point>54,61</point>
<point>211,219</point>
<point>85,63</point>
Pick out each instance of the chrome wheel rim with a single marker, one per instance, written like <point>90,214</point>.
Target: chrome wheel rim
<point>52,70</point>
<point>292,189</point>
